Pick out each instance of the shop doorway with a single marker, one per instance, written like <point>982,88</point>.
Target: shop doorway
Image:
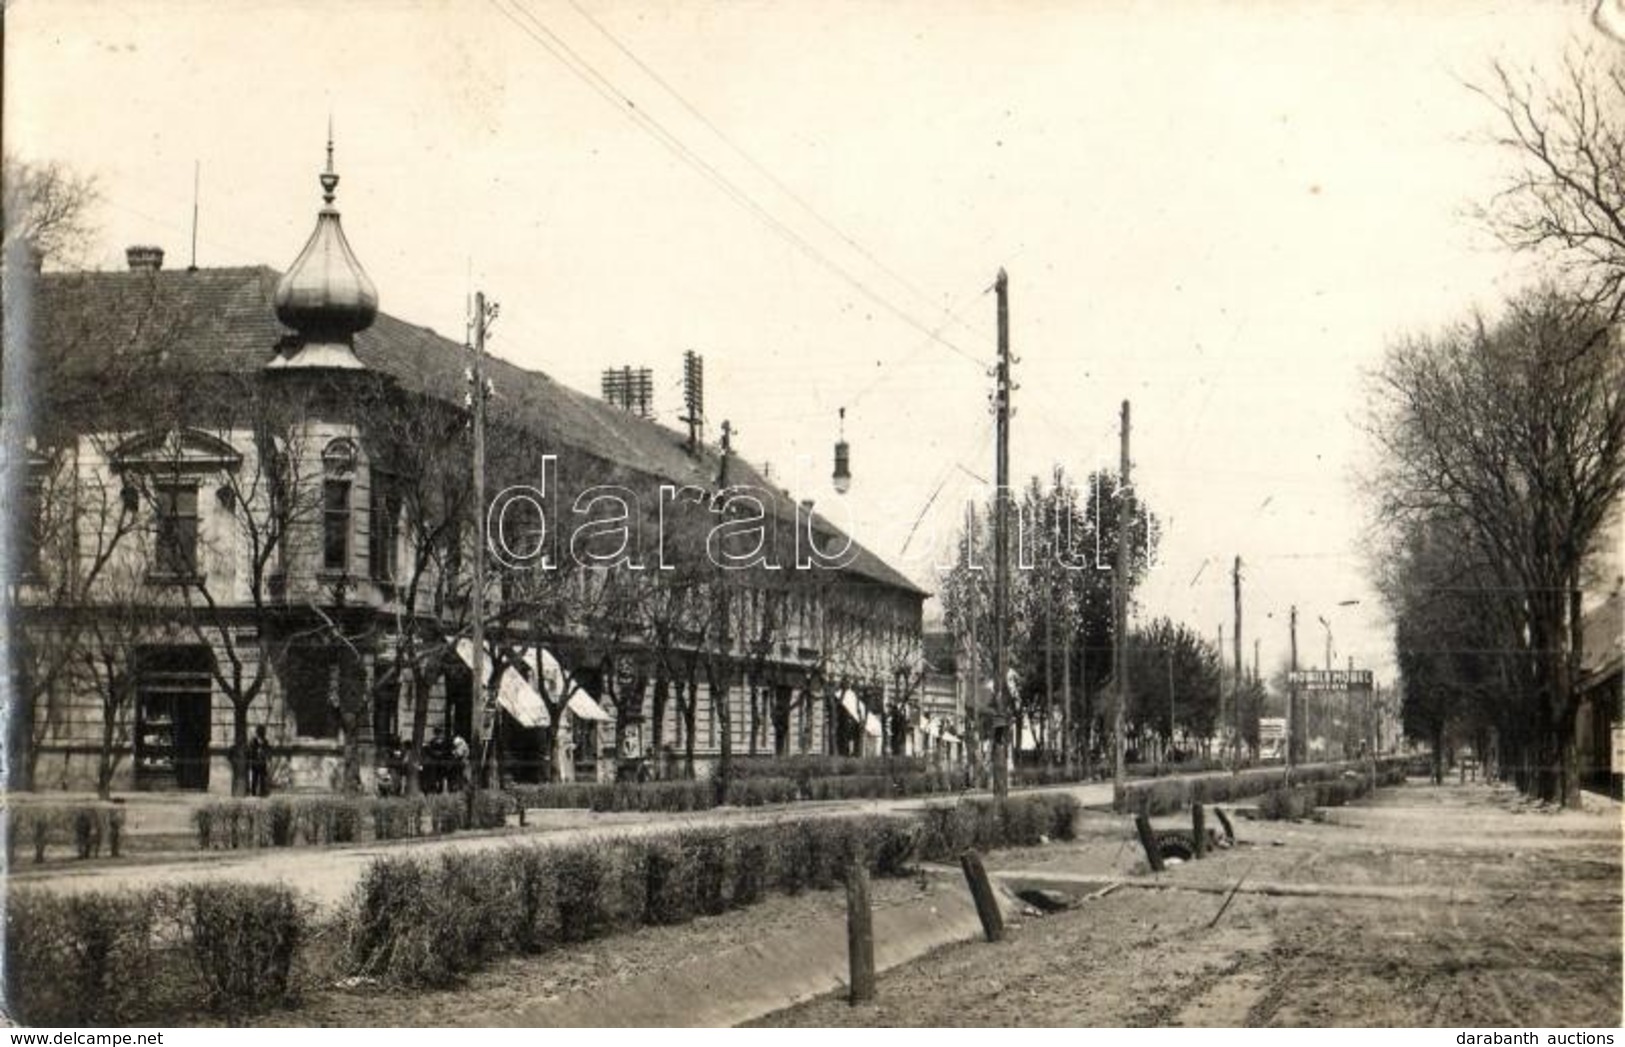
<point>174,705</point>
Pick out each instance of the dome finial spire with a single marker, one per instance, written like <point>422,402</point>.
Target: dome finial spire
<point>329,179</point>
<point>325,296</point>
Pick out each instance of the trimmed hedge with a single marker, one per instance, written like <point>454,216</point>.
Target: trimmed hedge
<point>985,824</point>
<point>1301,801</point>
<point>429,922</point>
<point>119,958</point>
<point>803,769</point>
<point>324,820</point>
<point>85,828</point>
<point>752,789</point>
<point>1169,795</point>
<point>238,949</point>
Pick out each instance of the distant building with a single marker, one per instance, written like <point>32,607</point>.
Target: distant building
<point>1601,717</point>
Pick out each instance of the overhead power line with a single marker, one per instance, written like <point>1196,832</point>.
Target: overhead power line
<point>623,103</point>
<point>761,169</point>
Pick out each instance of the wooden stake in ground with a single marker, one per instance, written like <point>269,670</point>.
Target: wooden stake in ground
<point>860,934</point>
<point>981,890</point>
<point>1148,840</point>
<point>1198,832</point>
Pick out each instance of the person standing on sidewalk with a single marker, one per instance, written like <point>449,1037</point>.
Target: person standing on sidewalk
<point>259,763</point>
<point>459,763</point>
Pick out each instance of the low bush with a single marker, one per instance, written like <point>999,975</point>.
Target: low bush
<point>401,925</point>
<point>426,922</point>
<point>79,959</point>
<point>84,827</point>
<point>985,824</point>
<point>669,796</point>
<point>803,769</point>
<point>707,855</point>
<point>243,941</point>
<point>1301,801</point>
<point>579,874</point>
<point>1167,796</point>
<point>755,792</point>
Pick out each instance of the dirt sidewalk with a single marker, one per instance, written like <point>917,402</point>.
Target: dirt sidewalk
<point>1431,906</point>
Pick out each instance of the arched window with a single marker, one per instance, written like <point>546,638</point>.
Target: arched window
<point>338,478</point>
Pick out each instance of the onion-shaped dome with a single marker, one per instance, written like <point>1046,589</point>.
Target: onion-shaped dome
<point>325,295</point>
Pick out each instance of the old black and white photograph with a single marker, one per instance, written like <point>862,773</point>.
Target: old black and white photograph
<point>727,514</point>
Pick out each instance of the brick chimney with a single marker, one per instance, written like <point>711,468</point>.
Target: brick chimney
<point>144,258</point>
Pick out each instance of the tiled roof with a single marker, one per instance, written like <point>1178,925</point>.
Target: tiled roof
<point>223,320</point>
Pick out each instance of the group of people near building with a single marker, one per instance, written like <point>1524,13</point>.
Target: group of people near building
<point>443,768</point>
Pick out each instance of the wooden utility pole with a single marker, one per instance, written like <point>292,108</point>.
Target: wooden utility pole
<point>1066,699</point>
<point>1125,513</point>
<point>1223,717</point>
<point>1001,550</point>
<point>1049,666</point>
<point>972,700</point>
<point>1292,712</point>
<point>1168,656</point>
<point>1235,684</point>
<point>478,698</point>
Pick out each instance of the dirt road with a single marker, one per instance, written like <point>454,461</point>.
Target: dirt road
<point>1451,906</point>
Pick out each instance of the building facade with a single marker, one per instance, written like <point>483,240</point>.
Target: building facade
<point>248,503</point>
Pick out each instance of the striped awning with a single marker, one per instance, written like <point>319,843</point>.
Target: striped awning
<point>582,706</point>
<point>514,693</point>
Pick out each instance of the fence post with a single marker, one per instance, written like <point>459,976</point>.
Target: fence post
<point>1148,840</point>
<point>981,890</point>
<point>1198,831</point>
<point>860,934</point>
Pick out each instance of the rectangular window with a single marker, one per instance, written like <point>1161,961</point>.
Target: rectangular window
<point>336,525</point>
<point>384,540</point>
<point>177,532</point>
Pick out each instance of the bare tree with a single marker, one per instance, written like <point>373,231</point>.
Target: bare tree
<point>233,588</point>
<point>48,207</point>
<point>121,619</point>
<point>1567,197</point>
<point>1517,429</point>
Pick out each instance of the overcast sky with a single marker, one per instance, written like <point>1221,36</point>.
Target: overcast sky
<point>1221,212</point>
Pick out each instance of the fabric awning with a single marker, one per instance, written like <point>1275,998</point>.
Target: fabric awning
<point>853,707</point>
<point>582,706</point>
<point>547,669</point>
<point>562,686</point>
<point>514,692</point>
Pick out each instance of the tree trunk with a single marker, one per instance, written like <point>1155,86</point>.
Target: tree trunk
<point>755,713</point>
<point>239,747</point>
<point>104,765</point>
<point>690,711</point>
<point>657,721</point>
<point>718,684</point>
<point>420,721</point>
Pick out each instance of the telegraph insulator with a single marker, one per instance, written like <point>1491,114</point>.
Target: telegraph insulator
<point>843,464</point>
